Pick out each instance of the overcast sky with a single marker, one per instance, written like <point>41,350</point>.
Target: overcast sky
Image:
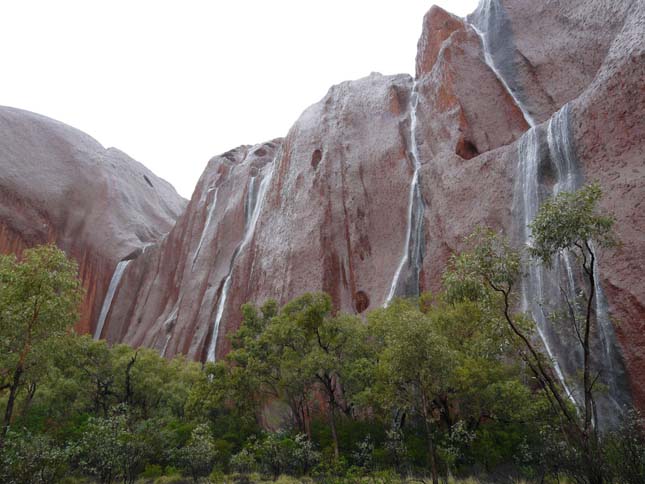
<point>174,83</point>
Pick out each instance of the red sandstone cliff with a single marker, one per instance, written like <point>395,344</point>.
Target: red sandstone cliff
<point>338,207</point>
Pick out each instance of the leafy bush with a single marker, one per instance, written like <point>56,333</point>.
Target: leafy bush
<point>277,453</point>
<point>109,449</point>
<point>31,459</point>
<point>199,455</point>
<point>625,450</point>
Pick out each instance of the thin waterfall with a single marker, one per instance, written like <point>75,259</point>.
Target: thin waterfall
<point>533,284</point>
<point>165,346</point>
<point>490,17</point>
<point>107,302</point>
<point>253,206</point>
<point>209,218</point>
<point>569,179</point>
<point>145,246</point>
<point>541,292</point>
<point>168,325</point>
<point>412,258</point>
<point>544,290</point>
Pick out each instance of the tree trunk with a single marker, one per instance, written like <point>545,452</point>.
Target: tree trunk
<point>31,392</point>
<point>8,414</point>
<point>431,451</point>
<point>590,444</point>
<point>332,426</point>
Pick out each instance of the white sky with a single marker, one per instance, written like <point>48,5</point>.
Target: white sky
<point>174,83</point>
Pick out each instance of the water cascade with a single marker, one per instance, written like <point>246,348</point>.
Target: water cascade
<point>168,324</point>
<point>492,26</point>
<point>607,355</point>
<point>412,258</point>
<point>253,207</point>
<point>545,292</point>
<point>211,211</point>
<point>107,302</point>
<point>527,197</point>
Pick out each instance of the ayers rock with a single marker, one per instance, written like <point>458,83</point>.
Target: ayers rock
<point>371,190</point>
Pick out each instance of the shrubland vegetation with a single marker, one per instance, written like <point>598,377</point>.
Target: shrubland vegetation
<point>441,387</point>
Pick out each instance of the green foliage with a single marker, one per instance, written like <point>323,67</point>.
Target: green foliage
<point>199,455</point>
<point>31,459</point>
<point>109,449</point>
<point>625,450</point>
<point>491,263</point>
<point>438,385</point>
<point>277,453</point>
<point>39,303</point>
<point>151,471</point>
<point>570,221</point>
<point>39,299</point>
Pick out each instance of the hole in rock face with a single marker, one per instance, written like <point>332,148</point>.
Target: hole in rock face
<point>361,301</point>
<point>466,149</point>
<point>315,158</point>
<point>260,152</point>
<point>148,181</point>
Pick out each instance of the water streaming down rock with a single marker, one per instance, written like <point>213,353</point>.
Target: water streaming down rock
<point>547,293</point>
<point>406,278</point>
<point>606,354</point>
<point>527,199</point>
<point>209,218</point>
<point>253,207</point>
<point>541,294</point>
<point>107,302</point>
<point>492,25</point>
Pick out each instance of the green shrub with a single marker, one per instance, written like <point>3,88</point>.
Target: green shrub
<point>172,480</point>
<point>151,471</point>
<point>31,459</point>
<point>275,454</point>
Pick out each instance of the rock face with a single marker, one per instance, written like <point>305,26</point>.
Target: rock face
<point>376,185</point>
<point>323,209</point>
<point>609,131</point>
<point>169,296</point>
<point>59,185</point>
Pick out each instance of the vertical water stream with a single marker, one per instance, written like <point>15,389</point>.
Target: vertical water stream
<point>406,277</point>
<point>107,301</point>
<point>253,207</point>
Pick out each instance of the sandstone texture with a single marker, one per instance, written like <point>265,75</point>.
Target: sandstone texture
<point>609,132</point>
<point>59,185</point>
<point>168,297</point>
<point>330,215</point>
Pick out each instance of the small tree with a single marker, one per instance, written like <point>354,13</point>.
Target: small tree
<point>277,453</point>
<point>298,351</point>
<point>199,455</point>
<point>414,368</point>
<point>31,459</point>
<point>334,346</point>
<point>39,300</point>
<point>109,449</point>
<point>568,222</point>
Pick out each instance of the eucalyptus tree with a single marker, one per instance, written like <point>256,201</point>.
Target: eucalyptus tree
<point>568,222</point>
<point>40,295</point>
